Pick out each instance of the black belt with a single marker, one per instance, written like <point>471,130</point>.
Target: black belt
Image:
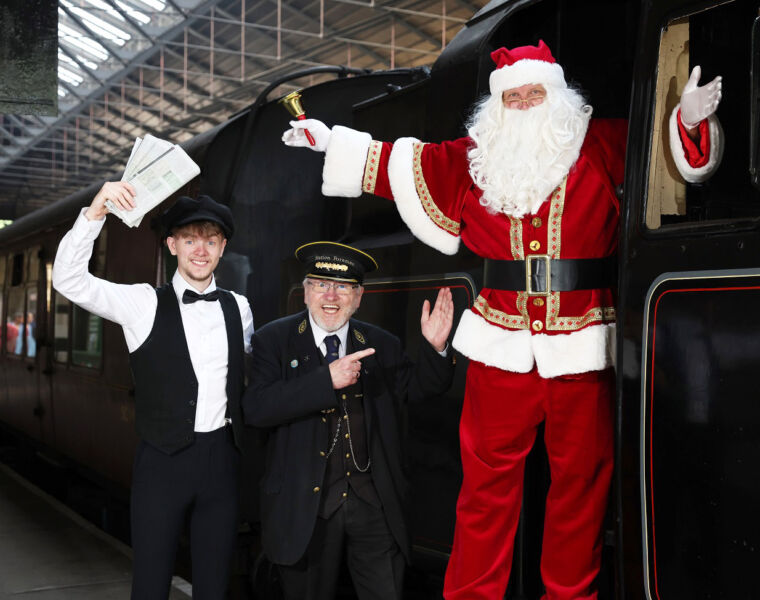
<point>538,274</point>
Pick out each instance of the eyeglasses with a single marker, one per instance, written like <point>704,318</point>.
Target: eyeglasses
<point>514,100</point>
<point>340,288</point>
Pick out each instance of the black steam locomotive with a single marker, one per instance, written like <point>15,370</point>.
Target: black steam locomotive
<point>683,520</point>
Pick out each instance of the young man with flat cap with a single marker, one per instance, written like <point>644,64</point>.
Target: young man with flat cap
<point>331,392</point>
<point>186,341</point>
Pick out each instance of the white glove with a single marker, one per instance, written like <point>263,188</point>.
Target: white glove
<point>698,103</point>
<point>297,138</point>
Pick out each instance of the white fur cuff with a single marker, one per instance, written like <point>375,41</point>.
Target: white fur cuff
<point>491,345</point>
<point>345,158</point>
<point>401,178</point>
<point>524,72</point>
<point>589,349</point>
<point>689,173</point>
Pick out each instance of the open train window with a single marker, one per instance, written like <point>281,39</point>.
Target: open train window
<point>718,39</point>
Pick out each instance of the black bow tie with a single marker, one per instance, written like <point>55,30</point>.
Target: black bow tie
<point>190,296</point>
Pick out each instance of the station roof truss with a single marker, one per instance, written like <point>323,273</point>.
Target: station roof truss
<point>176,68</point>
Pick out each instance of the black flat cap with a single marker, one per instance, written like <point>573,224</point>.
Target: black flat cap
<point>331,260</point>
<point>190,210</point>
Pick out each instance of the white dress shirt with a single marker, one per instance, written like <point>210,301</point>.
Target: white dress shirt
<point>320,335</point>
<point>134,308</point>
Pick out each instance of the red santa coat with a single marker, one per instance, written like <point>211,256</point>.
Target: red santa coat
<point>562,333</point>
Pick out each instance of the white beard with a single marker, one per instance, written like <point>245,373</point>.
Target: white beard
<point>521,156</point>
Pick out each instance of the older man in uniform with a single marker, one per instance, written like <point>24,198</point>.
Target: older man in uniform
<point>331,392</point>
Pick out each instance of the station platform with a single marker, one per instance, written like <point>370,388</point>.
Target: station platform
<point>48,552</point>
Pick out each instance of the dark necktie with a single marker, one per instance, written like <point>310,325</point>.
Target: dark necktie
<point>190,296</point>
<point>332,342</point>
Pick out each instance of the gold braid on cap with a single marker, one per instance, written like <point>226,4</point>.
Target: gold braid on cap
<point>333,266</point>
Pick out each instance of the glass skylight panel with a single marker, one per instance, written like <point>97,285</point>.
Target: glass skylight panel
<point>154,4</point>
<point>81,41</point>
<point>137,15</point>
<point>102,28</point>
<point>68,76</point>
<point>108,8</point>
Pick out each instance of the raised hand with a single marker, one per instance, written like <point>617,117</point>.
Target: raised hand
<point>346,370</point>
<point>436,325</point>
<point>296,136</point>
<point>121,193</point>
<point>699,102</point>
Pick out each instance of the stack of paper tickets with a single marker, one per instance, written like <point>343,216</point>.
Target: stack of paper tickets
<point>156,169</point>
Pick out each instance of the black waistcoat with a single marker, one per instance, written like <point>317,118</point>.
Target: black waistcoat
<point>166,389</point>
<point>341,472</point>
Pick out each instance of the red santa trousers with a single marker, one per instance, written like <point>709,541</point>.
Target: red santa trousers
<point>500,416</point>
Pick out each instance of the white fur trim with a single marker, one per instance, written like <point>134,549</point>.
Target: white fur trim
<point>505,349</point>
<point>590,349</point>
<point>524,72</point>
<point>345,158</point>
<point>689,173</point>
<point>578,352</point>
<point>401,177</point>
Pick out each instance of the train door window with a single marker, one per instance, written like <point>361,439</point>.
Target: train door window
<point>87,328</point>
<point>720,40</point>
<point>61,319</point>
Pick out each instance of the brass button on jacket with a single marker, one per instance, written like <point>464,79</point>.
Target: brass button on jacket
<point>535,245</point>
<point>316,489</point>
<point>537,325</point>
<point>536,222</point>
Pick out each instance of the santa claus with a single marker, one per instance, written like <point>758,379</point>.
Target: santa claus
<point>532,190</point>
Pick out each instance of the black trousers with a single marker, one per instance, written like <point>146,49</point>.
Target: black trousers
<point>199,483</point>
<point>374,559</point>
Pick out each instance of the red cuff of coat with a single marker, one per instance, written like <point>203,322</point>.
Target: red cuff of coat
<point>696,155</point>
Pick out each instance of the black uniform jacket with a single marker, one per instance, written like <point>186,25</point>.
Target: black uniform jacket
<point>288,388</point>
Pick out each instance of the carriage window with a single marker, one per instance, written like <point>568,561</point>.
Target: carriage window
<point>720,41</point>
<point>30,327</point>
<point>14,325</point>
<point>87,328</point>
<point>61,328</point>
<point>86,339</point>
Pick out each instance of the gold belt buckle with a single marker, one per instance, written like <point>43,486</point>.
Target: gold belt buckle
<point>529,274</point>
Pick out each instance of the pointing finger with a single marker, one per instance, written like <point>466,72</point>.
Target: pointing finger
<point>361,354</point>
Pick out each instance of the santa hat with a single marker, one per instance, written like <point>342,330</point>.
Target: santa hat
<point>523,65</point>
